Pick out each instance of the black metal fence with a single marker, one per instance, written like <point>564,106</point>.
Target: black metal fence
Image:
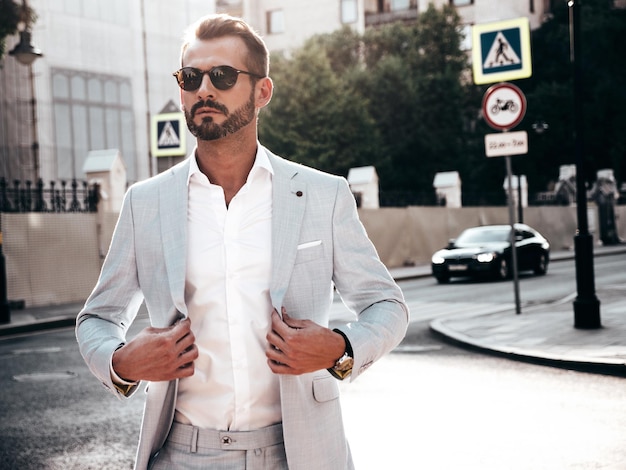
<point>58,197</point>
<point>469,199</point>
<point>415,198</point>
<point>79,196</point>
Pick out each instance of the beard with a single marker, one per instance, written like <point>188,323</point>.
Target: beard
<point>210,130</point>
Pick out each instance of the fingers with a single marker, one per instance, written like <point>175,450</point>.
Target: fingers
<point>158,354</point>
<point>180,329</point>
<point>301,346</point>
<point>278,331</point>
<point>293,322</point>
<point>185,347</point>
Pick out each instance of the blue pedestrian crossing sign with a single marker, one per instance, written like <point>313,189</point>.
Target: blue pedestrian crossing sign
<point>168,135</point>
<point>501,51</point>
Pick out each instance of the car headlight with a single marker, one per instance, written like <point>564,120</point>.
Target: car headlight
<point>485,257</point>
<point>438,259</point>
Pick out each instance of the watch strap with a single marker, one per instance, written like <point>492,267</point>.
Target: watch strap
<point>348,355</point>
<point>345,338</point>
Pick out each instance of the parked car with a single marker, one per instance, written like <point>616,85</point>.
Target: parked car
<point>486,252</point>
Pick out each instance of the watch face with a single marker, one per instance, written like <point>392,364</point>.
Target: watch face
<point>344,364</point>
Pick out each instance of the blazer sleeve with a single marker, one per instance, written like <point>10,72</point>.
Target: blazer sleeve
<point>102,323</point>
<point>365,286</point>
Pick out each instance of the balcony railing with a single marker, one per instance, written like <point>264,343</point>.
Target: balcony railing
<point>380,18</point>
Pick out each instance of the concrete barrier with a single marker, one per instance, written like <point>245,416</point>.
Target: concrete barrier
<point>55,259</point>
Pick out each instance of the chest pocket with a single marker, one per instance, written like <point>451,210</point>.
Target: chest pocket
<point>309,251</point>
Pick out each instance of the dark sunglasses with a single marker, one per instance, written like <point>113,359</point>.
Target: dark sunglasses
<point>223,77</point>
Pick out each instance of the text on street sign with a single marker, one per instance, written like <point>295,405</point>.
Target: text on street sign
<point>506,143</point>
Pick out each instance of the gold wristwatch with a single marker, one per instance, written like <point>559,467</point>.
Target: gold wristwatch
<point>343,365</point>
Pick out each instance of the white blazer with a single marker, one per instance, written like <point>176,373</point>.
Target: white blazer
<point>313,211</point>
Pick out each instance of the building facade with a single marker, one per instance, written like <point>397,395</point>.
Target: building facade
<point>106,70</point>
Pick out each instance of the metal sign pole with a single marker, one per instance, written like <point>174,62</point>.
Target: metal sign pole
<point>518,308</point>
<point>504,107</point>
<point>5,309</point>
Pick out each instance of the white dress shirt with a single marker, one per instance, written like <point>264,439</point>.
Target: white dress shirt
<point>227,296</point>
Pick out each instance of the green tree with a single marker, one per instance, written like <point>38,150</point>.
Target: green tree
<point>550,93</point>
<point>391,98</point>
<point>315,118</point>
<point>11,14</point>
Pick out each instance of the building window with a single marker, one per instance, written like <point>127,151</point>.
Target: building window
<point>348,11</point>
<point>91,112</point>
<point>275,22</point>
<point>461,3</point>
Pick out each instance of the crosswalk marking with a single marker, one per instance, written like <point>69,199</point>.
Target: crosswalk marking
<point>501,54</point>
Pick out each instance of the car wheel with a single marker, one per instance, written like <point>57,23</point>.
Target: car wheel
<point>542,264</point>
<point>503,271</point>
<point>443,278</point>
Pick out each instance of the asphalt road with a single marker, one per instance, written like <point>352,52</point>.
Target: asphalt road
<point>428,406</point>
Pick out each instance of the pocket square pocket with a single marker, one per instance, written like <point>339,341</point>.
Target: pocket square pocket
<point>309,251</point>
<point>303,246</point>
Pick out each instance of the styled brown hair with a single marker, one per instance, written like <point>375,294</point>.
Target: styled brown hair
<point>217,26</point>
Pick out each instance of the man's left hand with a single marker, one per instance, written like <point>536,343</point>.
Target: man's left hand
<point>300,346</point>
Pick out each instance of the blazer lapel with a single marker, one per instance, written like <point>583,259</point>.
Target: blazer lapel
<point>288,204</point>
<point>173,199</point>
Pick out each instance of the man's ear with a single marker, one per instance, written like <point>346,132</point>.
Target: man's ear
<point>264,91</point>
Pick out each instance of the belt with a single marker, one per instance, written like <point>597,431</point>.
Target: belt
<point>196,438</point>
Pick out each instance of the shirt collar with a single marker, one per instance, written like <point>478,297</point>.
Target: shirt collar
<point>261,161</point>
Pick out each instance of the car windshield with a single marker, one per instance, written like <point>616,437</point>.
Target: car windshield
<point>480,236</point>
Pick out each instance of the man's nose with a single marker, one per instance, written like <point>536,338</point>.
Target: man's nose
<point>206,89</point>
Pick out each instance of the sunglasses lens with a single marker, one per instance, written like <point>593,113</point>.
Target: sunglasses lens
<point>223,77</point>
<point>192,78</point>
<point>189,79</point>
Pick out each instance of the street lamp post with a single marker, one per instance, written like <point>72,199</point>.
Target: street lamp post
<point>586,304</point>
<point>25,53</point>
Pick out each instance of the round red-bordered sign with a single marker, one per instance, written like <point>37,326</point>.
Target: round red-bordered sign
<point>504,106</point>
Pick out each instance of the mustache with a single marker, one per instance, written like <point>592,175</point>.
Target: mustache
<point>209,104</point>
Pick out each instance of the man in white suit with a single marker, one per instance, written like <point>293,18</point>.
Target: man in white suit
<point>236,253</point>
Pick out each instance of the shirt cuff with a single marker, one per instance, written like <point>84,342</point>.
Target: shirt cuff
<point>123,386</point>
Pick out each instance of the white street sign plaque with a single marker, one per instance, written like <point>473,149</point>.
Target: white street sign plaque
<point>506,143</point>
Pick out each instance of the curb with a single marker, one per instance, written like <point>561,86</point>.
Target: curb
<point>38,325</point>
<point>615,368</point>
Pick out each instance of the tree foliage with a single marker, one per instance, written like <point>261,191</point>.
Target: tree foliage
<point>11,14</point>
<point>399,97</point>
<point>551,98</point>
<point>388,98</point>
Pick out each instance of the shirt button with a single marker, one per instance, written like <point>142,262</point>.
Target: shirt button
<point>226,440</point>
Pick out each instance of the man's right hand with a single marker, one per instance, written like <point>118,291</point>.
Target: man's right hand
<point>158,354</point>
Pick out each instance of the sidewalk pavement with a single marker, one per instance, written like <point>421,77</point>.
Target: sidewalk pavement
<point>543,334</point>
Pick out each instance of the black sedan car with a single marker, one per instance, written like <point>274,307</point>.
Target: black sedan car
<point>486,252</point>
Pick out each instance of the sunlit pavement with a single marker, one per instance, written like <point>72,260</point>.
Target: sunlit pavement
<point>409,412</point>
